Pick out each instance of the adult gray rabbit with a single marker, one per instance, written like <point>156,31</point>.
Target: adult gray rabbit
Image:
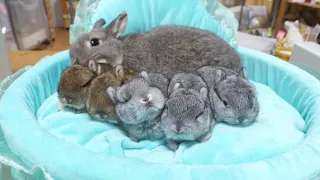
<point>165,49</point>
<point>139,104</point>
<point>187,114</point>
<point>233,98</point>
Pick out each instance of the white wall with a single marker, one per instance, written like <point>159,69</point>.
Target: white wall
<point>57,13</point>
<point>5,69</point>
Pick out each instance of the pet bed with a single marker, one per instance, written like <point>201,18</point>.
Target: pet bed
<point>283,144</point>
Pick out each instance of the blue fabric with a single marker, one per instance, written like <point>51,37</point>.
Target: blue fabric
<point>73,150</point>
<point>273,134</point>
<point>144,15</point>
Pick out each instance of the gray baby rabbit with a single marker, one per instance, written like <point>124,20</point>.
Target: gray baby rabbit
<point>73,87</point>
<point>232,97</point>
<point>139,104</point>
<point>165,49</point>
<point>187,115</point>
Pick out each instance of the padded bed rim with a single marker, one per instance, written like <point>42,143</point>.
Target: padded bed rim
<point>36,146</point>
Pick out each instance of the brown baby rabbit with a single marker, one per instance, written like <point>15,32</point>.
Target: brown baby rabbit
<point>73,87</point>
<point>121,74</point>
<point>98,103</point>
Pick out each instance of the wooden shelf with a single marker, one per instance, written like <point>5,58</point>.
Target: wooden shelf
<point>66,11</point>
<point>283,7</point>
<point>305,4</point>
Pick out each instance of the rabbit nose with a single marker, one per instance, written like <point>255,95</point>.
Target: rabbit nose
<point>177,128</point>
<point>147,99</point>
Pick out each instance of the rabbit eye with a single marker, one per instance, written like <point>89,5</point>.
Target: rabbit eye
<point>145,100</point>
<point>198,116</point>
<point>126,99</point>
<point>225,103</point>
<point>95,42</point>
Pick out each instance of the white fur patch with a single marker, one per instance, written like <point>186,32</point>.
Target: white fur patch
<point>60,106</point>
<point>102,61</point>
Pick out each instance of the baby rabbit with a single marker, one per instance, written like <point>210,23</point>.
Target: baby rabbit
<point>187,115</point>
<point>98,103</point>
<point>100,68</point>
<point>165,49</point>
<point>121,74</point>
<point>139,104</point>
<point>73,87</point>
<point>232,96</point>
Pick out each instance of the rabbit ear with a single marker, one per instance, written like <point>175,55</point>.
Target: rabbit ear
<point>145,76</point>
<point>99,24</point>
<point>173,88</point>
<point>75,61</point>
<point>112,94</point>
<point>203,93</point>
<point>119,71</point>
<point>93,66</point>
<point>219,75</point>
<point>242,72</point>
<point>99,69</point>
<point>164,113</point>
<point>87,76</point>
<point>215,101</point>
<point>118,26</point>
<point>176,86</point>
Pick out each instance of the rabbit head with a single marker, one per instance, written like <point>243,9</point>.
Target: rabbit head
<point>136,101</point>
<point>102,45</point>
<point>185,116</point>
<point>234,100</point>
<point>98,103</point>
<point>73,86</point>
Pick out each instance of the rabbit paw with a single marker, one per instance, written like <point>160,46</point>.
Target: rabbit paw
<point>60,106</point>
<point>204,137</point>
<point>134,139</point>
<point>172,145</point>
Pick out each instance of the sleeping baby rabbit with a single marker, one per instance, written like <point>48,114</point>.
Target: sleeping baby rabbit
<point>73,87</point>
<point>232,97</point>
<point>187,115</point>
<point>139,104</point>
<point>98,103</point>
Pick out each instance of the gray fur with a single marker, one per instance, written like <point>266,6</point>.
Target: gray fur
<point>139,105</point>
<point>157,80</point>
<point>187,81</point>
<point>232,97</point>
<point>187,115</point>
<point>165,49</point>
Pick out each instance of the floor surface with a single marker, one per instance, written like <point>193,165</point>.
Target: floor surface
<point>19,59</point>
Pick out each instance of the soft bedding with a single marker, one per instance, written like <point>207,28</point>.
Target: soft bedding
<point>278,129</point>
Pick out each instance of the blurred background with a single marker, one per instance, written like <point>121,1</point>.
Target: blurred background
<point>32,29</point>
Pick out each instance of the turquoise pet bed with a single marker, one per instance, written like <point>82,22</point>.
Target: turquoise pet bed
<point>40,142</point>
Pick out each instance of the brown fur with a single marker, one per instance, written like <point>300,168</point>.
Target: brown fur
<point>98,103</point>
<point>74,84</point>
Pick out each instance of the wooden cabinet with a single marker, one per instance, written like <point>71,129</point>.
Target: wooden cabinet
<point>49,13</point>
<point>68,13</point>
<point>283,7</point>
